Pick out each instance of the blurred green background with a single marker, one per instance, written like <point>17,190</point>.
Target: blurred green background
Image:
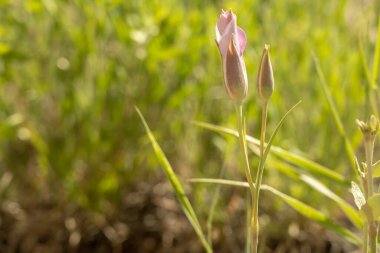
<point>71,73</point>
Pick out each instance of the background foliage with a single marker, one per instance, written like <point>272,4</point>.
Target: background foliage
<point>72,71</point>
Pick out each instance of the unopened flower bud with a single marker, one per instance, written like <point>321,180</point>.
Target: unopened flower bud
<point>265,79</point>
<point>371,127</point>
<point>231,41</point>
<point>235,73</point>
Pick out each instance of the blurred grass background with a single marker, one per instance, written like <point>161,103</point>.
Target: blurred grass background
<point>72,71</point>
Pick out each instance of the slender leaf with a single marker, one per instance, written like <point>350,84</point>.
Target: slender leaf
<point>368,75</point>
<point>297,205</point>
<point>311,166</point>
<point>376,169</point>
<point>270,142</point>
<point>184,201</point>
<point>214,202</point>
<point>350,212</point>
<point>316,215</point>
<point>376,59</point>
<point>370,84</point>
<point>334,111</point>
<point>374,203</point>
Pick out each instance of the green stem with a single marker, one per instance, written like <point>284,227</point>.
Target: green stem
<point>248,225</point>
<point>243,146</point>
<point>260,171</point>
<point>369,144</point>
<point>365,239</point>
<point>372,233</point>
<point>371,228</point>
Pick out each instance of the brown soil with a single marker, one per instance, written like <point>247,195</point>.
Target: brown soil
<point>150,220</point>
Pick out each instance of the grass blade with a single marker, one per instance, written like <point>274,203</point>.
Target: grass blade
<point>376,59</point>
<point>334,111</point>
<point>316,216</point>
<point>351,213</point>
<point>270,142</point>
<point>297,205</point>
<point>374,203</point>
<point>184,201</point>
<point>292,172</point>
<point>370,84</point>
<point>309,165</point>
<point>211,213</point>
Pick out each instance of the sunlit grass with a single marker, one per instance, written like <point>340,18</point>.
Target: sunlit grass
<point>72,72</point>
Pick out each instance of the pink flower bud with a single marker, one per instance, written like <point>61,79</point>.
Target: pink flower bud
<point>265,79</point>
<point>231,41</point>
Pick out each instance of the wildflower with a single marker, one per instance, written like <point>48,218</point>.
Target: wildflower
<point>231,41</point>
<point>265,79</point>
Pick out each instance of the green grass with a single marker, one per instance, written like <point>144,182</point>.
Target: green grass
<point>71,73</point>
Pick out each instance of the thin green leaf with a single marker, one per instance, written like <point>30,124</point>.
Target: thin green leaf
<point>334,111</point>
<point>367,73</point>
<point>376,169</point>
<point>350,211</point>
<point>358,168</point>
<point>214,202</point>
<point>311,166</point>
<point>376,59</point>
<point>297,205</point>
<point>316,216</point>
<point>219,181</point>
<point>210,218</point>
<point>270,142</point>
<point>371,85</point>
<point>374,203</point>
<point>178,189</point>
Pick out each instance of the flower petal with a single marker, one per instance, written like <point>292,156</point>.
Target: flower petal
<point>224,28</point>
<point>224,19</point>
<point>242,40</point>
<point>235,76</point>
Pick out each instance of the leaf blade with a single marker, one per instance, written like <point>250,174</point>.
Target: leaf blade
<point>299,206</point>
<point>376,59</point>
<point>374,204</point>
<point>298,160</point>
<point>334,112</point>
<point>180,193</point>
<point>270,142</point>
<point>351,213</point>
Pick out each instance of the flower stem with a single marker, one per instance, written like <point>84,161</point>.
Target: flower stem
<point>365,239</point>
<point>369,144</point>
<point>260,171</point>
<point>371,227</point>
<point>243,146</point>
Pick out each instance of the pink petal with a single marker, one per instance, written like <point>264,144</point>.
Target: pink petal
<point>242,38</point>
<point>225,27</point>
<point>235,76</point>
<point>224,19</point>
